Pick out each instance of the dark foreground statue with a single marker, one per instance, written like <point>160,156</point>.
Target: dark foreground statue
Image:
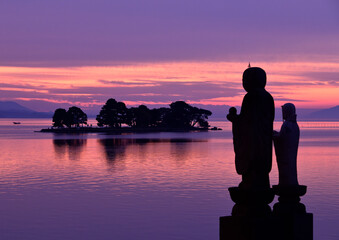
<point>252,217</point>
<point>252,131</point>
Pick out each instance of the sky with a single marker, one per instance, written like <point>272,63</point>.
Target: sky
<point>81,52</point>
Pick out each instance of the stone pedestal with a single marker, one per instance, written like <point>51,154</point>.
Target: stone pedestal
<point>294,227</point>
<point>250,215</point>
<point>246,228</point>
<point>251,202</point>
<point>289,199</point>
<point>252,218</point>
<point>294,221</point>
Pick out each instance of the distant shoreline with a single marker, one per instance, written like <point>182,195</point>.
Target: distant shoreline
<point>216,119</point>
<point>122,130</point>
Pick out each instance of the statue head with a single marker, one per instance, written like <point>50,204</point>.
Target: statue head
<point>288,112</point>
<point>253,77</point>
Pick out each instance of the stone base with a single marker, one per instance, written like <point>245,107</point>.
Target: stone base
<point>251,196</point>
<point>296,227</point>
<point>245,228</point>
<point>251,202</point>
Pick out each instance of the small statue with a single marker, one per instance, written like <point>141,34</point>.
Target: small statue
<point>286,146</point>
<point>252,131</point>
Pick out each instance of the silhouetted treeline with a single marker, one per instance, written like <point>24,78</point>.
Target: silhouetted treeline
<point>179,115</point>
<point>73,117</point>
<point>114,114</point>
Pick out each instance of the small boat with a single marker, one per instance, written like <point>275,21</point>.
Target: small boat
<point>16,122</point>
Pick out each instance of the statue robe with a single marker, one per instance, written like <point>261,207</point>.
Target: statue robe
<point>252,137</point>
<point>286,149</point>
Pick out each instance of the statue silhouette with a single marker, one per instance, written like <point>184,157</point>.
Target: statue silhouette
<point>252,217</point>
<point>286,146</point>
<point>252,131</point>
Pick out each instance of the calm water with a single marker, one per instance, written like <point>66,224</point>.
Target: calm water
<point>145,186</point>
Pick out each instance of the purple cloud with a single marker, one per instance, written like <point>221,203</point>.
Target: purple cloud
<point>73,33</point>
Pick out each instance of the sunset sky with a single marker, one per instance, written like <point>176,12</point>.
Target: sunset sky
<point>62,53</point>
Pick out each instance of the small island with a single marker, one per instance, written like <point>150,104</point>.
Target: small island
<point>116,118</point>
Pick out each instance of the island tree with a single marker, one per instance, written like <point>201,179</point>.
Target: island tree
<point>158,116</point>
<point>179,115</point>
<point>183,115</point>
<point>140,117</point>
<point>200,116</point>
<point>74,117</point>
<point>112,114</point>
<point>59,117</point>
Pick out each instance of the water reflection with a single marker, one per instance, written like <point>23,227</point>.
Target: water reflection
<point>42,197</point>
<point>72,147</point>
<point>179,151</point>
<point>115,149</point>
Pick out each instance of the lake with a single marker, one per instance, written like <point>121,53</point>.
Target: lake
<point>143,186</point>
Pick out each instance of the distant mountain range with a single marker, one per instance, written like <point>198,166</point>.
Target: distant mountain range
<point>10,109</point>
<point>328,114</point>
<point>15,110</point>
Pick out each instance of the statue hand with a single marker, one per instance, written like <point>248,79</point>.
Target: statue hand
<point>232,114</point>
<point>233,111</point>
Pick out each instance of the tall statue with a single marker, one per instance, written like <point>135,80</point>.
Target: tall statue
<point>286,146</point>
<point>252,131</point>
<point>252,217</point>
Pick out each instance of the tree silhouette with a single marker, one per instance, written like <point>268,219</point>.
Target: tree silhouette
<point>179,115</point>
<point>75,116</point>
<point>139,117</point>
<point>183,115</point>
<point>200,116</point>
<point>158,117</point>
<point>112,114</point>
<point>59,117</point>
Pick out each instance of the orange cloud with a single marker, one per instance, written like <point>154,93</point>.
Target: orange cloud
<point>309,84</point>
